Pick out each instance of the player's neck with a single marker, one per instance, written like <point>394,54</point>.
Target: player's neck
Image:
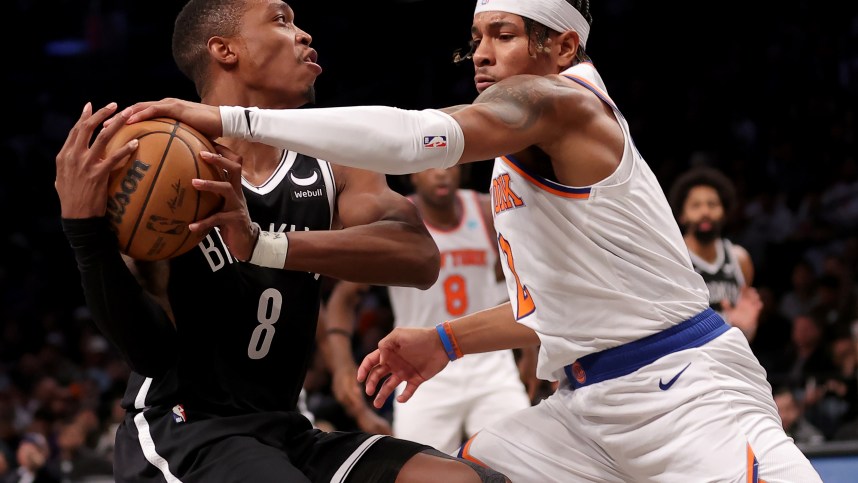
<point>258,160</point>
<point>445,217</point>
<point>706,250</point>
<point>239,95</point>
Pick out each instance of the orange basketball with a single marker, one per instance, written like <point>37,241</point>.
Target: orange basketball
<point>151,200</point>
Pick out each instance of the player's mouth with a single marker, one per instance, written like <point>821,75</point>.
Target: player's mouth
<point>442,190</point>
<point>483,82</point>
<point>311,60</point>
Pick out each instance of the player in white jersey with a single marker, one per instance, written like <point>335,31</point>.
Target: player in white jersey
<point>466,396</point>
<point>481,388</point>
<point>654,385</point>
<point>702,198</point>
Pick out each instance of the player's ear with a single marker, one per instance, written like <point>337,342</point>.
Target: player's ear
<point>221,49</point>
<point>569,43</point>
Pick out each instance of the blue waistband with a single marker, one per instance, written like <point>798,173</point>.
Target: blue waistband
<point>627,358</point>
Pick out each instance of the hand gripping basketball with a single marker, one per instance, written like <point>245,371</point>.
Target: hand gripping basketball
<point>236,229</point>
<point>151,200</point>
<point>202,117</point>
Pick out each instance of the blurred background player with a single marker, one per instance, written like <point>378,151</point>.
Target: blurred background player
<point>703,198</point>
<point>464,397</point>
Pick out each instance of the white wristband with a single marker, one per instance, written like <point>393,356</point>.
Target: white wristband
<point>271,249</point>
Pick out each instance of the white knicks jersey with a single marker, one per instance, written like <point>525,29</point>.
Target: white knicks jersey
<point>466,282</point>
<point>590,268</point>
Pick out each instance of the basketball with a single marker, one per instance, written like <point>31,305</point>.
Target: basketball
<point>151,200</point>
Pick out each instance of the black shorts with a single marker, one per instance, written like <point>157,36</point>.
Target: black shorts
<point>157,445</point>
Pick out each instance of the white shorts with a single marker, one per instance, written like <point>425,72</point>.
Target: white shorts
<point>716,422</point>
<point>465,397</point>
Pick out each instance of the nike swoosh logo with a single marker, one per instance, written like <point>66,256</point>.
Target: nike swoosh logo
<point>305,181</point>
<point>247,121</point>
<point>665,387</point>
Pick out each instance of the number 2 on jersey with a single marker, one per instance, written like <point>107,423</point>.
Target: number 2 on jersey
<point>268,312</point>
<point>524,305</point>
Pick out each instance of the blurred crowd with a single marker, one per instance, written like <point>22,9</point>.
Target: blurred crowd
<point>769,96</point>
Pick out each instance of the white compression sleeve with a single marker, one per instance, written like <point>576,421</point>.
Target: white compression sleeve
<point>377,138</point>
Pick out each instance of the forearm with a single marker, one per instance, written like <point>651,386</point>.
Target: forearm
<point>386,252</point>
<point>491,330</point>
<point>337,328</point>
<point>121,309</point>
<point>376,138</point>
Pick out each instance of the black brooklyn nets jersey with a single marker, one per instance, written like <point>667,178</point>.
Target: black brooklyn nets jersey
<point>246,332</point>
<point>723,277</point>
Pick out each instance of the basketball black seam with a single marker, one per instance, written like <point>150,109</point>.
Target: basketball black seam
<point>199,197</point>
<point>152,186</point>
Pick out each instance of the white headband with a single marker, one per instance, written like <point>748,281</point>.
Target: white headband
<point>557,15</point>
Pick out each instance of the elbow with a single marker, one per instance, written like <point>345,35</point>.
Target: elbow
<point>429,266</point>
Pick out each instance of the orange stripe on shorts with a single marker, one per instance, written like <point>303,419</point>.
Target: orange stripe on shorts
<point>465,453</point>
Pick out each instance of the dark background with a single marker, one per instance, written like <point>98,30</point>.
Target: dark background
<point>765,91</point>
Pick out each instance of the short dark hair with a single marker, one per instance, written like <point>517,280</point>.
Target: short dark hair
<point>702,176</point>
<point>197,22</point>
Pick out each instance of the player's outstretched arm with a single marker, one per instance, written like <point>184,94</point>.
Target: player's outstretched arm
<point>413,355</point>
<point>513,114</point>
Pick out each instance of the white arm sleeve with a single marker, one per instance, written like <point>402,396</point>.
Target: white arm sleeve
<point>377,138</point>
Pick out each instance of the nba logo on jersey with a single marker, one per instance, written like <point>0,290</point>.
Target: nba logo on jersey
<point>179,414</point>
<point>434,141</point>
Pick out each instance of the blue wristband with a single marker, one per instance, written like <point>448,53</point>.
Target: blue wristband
<point>445,341</point>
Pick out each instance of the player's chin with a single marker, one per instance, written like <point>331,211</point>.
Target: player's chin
<point>310,94</point>
<point>482,86</point>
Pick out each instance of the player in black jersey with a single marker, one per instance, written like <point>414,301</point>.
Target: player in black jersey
<point>219,362</point>
<point>701,199</point>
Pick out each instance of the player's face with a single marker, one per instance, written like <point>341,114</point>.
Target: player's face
<point>275,55</point>
<point>703,213</point>
<point>437,187</point>
<point>503,49</point>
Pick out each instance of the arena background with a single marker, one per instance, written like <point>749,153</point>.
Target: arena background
<point>766,91</point>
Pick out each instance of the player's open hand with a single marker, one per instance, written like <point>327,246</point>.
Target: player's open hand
<point>237,230</point>
<point>204,118</point>
<point>407,355</point>
<point>83,170</point>
<point>746,313</point>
